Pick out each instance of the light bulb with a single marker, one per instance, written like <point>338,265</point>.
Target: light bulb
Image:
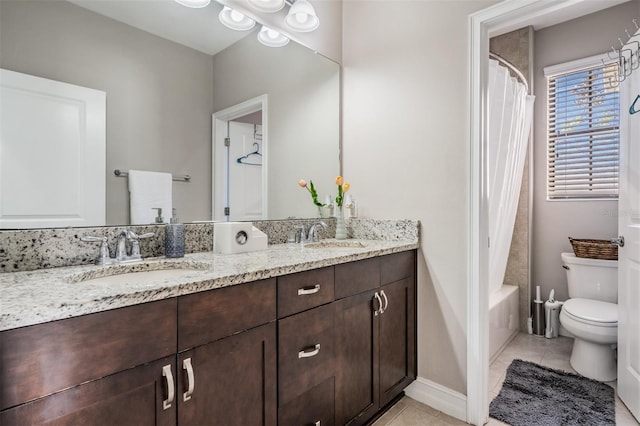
<point>302,17</point>
<point>236,16</point>
<point>235,20</point>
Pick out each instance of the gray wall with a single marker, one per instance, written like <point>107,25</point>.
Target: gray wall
<point>159,93</point>
<point>554,221</point>
<point>303,117</point>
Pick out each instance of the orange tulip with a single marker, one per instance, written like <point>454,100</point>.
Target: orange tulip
<point>339,180</point>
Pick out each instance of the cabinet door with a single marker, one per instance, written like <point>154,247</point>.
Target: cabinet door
<point>231,381</point>
<point>357,374</point>
<point>397,338</point>
<point>130,397</point>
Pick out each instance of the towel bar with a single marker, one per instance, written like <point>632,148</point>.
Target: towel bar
<point>185,178</point>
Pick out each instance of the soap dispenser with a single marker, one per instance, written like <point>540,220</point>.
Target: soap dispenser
<point>174,237</point>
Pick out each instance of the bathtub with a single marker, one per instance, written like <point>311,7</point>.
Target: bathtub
<point>504,319</point>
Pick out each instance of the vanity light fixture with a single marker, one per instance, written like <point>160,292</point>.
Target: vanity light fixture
<point>235,20</point>
<point>302,17</point>
<point>196,4</point>
<point>271,38</point>
<point>268,6</point>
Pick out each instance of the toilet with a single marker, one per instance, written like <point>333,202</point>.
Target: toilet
<point>591,315</point>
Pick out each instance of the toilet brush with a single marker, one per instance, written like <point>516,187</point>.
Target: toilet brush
<point>538,314</point>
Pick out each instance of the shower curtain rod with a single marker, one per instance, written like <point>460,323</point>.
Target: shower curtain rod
<point>512,68</point>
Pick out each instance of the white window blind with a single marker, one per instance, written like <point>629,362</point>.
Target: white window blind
<point>583,125</point>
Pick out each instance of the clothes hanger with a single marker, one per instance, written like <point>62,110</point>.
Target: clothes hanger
<point>632,108</point>
<point>245,158</point>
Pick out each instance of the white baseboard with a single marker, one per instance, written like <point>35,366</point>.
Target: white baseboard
<point>439,397</point>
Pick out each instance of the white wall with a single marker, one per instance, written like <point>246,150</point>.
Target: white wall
<point>555,221</point>
<point>406,151</point>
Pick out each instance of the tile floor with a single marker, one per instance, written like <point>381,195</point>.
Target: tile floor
<point>553,353</point>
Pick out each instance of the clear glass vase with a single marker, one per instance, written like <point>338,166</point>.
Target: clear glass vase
<point>341,227</point>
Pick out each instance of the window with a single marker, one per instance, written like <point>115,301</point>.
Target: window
<point>583,130</point>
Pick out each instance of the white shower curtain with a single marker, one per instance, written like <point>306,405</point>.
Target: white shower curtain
<point>509,121</point>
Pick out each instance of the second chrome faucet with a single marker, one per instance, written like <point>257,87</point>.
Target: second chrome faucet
<point>310,236</point>
<point>122,254</point>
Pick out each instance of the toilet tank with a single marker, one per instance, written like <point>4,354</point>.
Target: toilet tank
<point>591,278</point>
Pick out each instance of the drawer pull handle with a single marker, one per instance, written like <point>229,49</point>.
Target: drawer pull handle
<point>309,352</point>
<point>166,373</point>
<point>379,309</point>
<point>386,302</point>
<point>186,365</point>
<point>309,290</point>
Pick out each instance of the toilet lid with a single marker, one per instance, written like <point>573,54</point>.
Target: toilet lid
<point>594,311</point>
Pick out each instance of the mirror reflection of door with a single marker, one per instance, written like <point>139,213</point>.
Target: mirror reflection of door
<point>240,150</point>
<point>244,184</point>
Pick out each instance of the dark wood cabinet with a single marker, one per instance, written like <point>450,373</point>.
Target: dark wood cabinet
<point>397,338</point>
<point>131,397</point>
<point>376,338</point>
<point>39,360</point>
<point>332,345</point>
<point>357,359</point>
<point>231,381</point>
<point>314,407</point>
<point>306,348</point>
<point>228,358</point>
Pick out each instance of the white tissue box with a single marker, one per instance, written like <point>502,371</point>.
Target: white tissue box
<point>237,237</point>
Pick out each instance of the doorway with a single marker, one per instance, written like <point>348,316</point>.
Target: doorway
<point>240,135</point>
<point>498,19</point>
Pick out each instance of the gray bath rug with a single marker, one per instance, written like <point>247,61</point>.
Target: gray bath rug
<point>535,395</point>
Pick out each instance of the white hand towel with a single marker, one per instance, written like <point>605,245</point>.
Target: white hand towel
<point>147,191</point>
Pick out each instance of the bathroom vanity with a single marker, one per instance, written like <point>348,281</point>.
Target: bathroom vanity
<point>291,335</point>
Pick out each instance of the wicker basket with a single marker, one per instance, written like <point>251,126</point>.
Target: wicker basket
<point>594,249</point>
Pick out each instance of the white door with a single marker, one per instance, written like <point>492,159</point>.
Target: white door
<point>245,172</point>
<point>629,255</point>
<point>52,153</point>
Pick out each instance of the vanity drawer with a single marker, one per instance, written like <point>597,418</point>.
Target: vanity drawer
<point>357,277</point>
<point>397,266</point>
<point>211,315</point>
<point>304,290</point>
<point>45,358</point>
<point>306,349</point>
<point>314,407</point>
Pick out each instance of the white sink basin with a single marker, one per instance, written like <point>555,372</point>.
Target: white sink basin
<point>139,273</point>
<point>336,244</point>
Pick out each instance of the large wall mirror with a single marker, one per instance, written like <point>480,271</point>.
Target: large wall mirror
<point>166,70</point>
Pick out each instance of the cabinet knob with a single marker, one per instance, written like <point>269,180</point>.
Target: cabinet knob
<point>309,352</point>
<point>186,365</point>
<point>309,290</point>
<point>166,373</point>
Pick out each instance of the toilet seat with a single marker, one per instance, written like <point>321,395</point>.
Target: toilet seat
<point>592,312</point>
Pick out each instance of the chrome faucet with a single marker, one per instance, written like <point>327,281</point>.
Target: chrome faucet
<point>312,235</point>
<point>122,256</point>
<point>121,247</point>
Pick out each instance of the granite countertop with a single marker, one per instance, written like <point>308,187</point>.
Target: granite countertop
<point>40,296</point>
